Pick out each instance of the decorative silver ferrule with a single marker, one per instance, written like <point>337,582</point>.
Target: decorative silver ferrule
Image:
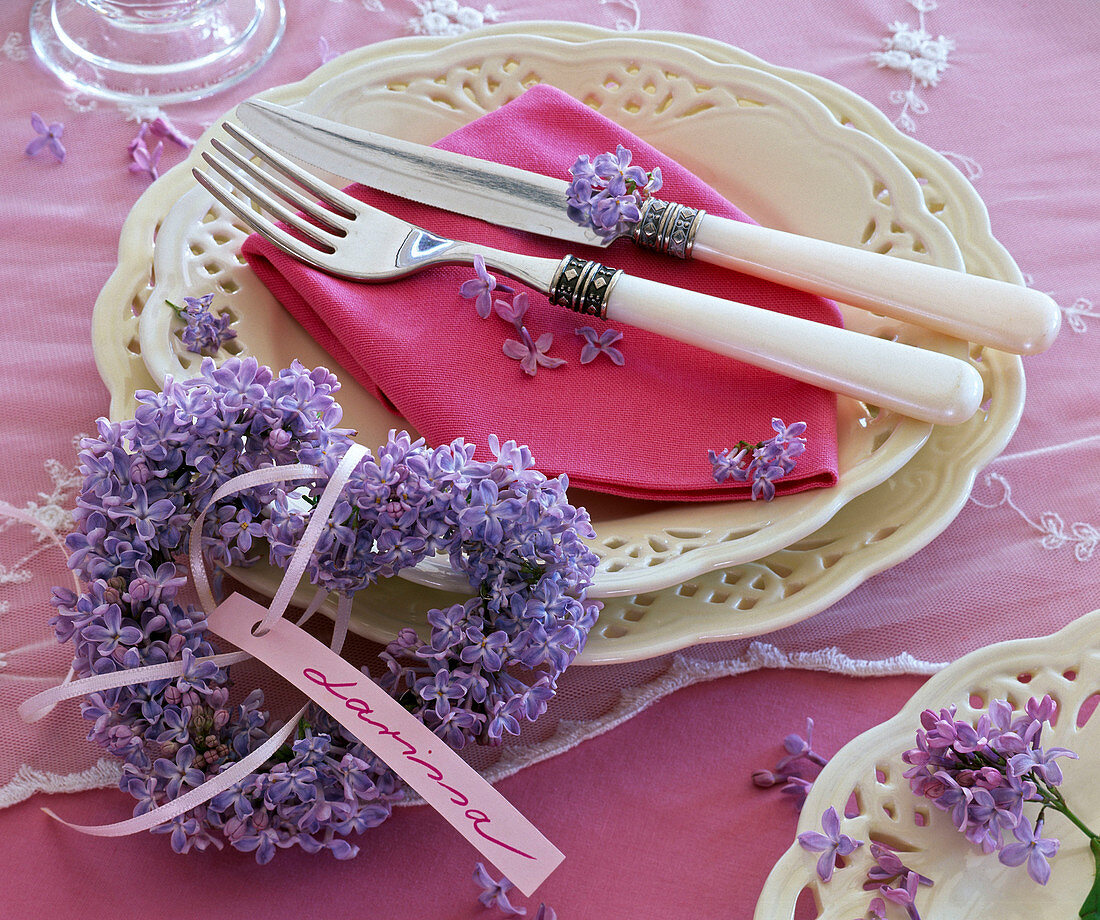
<point>667,227</point>
<point>583,286</point>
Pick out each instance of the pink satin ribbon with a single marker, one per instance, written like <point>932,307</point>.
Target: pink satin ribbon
<point>41,704</point>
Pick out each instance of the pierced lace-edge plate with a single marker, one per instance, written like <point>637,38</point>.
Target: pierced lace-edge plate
<point>682,592</point>
<point>967,884</point>
<point>422,95</point>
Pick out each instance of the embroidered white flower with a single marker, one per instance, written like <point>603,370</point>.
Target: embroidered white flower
<point>623,24</point>
<point>914,50</point>
<point>1077,311</point>
<point>448,17</point>
<point>14,48</point>
<point>80,102</point>
<point>1082,536</point>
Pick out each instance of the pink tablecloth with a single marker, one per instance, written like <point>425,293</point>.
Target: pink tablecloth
<point>657,817</point>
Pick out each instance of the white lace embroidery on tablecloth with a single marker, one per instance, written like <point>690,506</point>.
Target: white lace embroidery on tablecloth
<point>449,17</point>
<point>51,512</point>
<point>14,47</point>
<point>1051,527</point>
<point>913,50</point>
<point>624,24</point>
<point>684,670</point>
<point>1076,312</point>
<point>104,774</point>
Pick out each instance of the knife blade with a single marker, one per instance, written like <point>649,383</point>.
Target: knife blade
<point>984,311</point>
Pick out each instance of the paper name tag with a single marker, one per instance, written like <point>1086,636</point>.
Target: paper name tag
<point>442,778</point>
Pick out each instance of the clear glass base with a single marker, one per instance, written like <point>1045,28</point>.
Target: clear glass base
<point>139,57</point>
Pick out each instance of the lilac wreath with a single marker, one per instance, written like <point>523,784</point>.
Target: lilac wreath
<point>490,663</point>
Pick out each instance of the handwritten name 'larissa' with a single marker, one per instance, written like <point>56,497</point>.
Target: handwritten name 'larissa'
<point>365,713</point>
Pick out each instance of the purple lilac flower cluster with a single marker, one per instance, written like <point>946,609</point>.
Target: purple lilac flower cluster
<point>503,524</point>
<point>763,463</point>
<point>983,774</point>
<point>203,332</point>
<point>795,771</point>
<point>606,192</point>
<point>492,661</point>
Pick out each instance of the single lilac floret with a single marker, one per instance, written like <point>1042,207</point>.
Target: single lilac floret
<point>830,844</point>
<point>162,126</point>
<point>531,353</point>
<point>1032,848</point>
<point>905,894</point>
<point>1040,762</point>
<point>480,289</point>
<point>49,137</point>
<point>596,344</point>
<point>494,893</point>
<point>513,311</point>
<point>144,160</point>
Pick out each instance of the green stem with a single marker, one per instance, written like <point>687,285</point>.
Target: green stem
<point>1090,910</point>
<point>1054,799</point>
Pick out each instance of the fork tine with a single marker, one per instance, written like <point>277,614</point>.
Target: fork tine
<point>321,190</point>
<point>330,220</point>
<point>260,224</point>
<point>266,200</point>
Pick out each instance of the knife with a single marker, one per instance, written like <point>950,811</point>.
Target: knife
<point>981,310</point>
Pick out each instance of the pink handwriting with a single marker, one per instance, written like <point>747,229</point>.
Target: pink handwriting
<point>363,711</point>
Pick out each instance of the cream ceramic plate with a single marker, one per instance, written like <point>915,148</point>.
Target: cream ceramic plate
<point>831,180</point>
<point>672,90</point>
<point>968,884</point>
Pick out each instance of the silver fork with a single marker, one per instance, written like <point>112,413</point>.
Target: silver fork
<point>344,237</point>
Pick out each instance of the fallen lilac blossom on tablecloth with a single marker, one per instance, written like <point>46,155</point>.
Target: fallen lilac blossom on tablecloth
<point>789,772</point>
<point>49,138</point>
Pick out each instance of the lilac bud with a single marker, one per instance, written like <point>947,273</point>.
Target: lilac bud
<point>278,439</point>
<point>765,779</point>
<point>140,474</point>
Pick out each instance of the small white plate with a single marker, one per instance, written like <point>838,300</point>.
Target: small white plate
<point>967,884</point>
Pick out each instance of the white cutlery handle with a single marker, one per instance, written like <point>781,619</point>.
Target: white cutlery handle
<point>1005,316</point>
<point>920,384</point>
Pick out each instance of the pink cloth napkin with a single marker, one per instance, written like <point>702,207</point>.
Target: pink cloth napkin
<point>641,430</point>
